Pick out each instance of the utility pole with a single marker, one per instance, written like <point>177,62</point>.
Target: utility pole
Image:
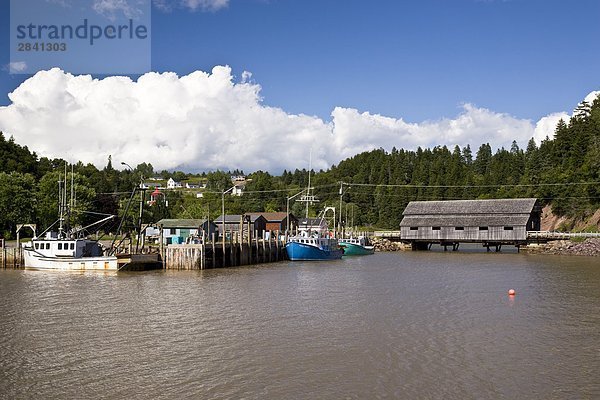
<point>341,194</point>
<point>223,219</point>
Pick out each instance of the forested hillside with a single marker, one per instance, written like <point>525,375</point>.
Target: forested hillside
<point>563,171</point>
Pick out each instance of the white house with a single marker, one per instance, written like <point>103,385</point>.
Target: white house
<point>239,182</point>
<point>172,184</point>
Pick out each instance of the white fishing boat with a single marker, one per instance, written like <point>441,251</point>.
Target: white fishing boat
<point>55,253</point>
<point>66,249</point>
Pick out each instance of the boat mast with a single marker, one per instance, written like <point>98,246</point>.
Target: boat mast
<point>62,202</point>
<point>64,208</point>
<point>308,189</point>
<point>60,214</point>
<point>308,198</point>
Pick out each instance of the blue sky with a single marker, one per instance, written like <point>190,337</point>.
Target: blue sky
<point>420,59</point>
<point>411,60</point>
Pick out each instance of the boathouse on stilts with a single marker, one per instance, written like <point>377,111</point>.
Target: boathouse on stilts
<point>492,223</point>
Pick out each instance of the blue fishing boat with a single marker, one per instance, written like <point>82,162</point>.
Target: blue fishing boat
<point>313,248</point>
<point>313,242</point>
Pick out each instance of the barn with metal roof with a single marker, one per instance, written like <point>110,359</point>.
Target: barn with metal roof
<point>498,221</point>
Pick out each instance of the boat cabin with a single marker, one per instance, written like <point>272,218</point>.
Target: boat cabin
<point>314,240</point>
<point>359,241</point>
<point>73,248</point>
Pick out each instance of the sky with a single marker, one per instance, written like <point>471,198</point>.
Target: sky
<point>257,84</point>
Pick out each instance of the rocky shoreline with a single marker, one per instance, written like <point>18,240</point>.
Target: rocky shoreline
<point>388,245</point>
<point>589,247</point>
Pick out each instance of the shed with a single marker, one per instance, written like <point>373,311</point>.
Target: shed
<point>232,223</point>
<point>476,221</point>
<point>277,221</point>
<point>176,231</point>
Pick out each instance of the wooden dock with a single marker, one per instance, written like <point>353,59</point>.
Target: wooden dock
<point>11,258</point>
<point>139,262</point>
<point>216,255</point>
<point>186,256</point>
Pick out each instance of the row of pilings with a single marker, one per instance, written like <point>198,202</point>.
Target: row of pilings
<point>234,251</point>
<point>11,257</point>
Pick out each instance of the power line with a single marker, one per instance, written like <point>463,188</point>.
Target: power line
<point>412,186</point>
<point>400,186</point>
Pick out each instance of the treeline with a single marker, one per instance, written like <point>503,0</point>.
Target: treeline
<point>562,171</point>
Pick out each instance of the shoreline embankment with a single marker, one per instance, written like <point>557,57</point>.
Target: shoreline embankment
<point>588,247</point>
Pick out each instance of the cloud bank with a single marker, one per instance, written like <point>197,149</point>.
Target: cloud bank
<point>205,121</point>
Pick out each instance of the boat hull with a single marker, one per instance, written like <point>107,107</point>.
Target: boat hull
<point>35,261</point>
<point>351,249</point>
<point>303,252</point>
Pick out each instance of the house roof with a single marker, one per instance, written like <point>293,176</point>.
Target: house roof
<point>181,223</point>
<point>499,212</point>
<point>272,216</point>
<point>229,219</point>
<point>470,207</point>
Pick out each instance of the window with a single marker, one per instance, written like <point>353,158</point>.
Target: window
<point>483,228</point>
<point>459,228</point>
<point>37,246</point>
<point>47,246</point>
<point>60,246</point>
<point>435,228</point>
<point>173,231</point>
<point>508,228</point>
<point>414,228</point>
<point>72,246</point>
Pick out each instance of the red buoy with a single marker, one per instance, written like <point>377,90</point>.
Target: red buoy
<point>511,292</point>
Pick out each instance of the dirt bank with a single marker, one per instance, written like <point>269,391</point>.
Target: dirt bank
<point>552,222</point>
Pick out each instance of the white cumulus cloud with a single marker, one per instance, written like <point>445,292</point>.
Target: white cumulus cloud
<point>205,121</point>
<point>592,96</point>
<point>193,5</point>
<point>354,131</point>
<point>112,8</point>
<point>546,126</point>
<point>17,67</point>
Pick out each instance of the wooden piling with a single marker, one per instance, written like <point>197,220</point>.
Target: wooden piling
<point>162,247</point>
<point>213,264</point>
<point>184,257</point>
<point>277,245</point>
<point>203,261</point>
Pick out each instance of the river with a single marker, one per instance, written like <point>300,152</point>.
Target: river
<point>408,325</point>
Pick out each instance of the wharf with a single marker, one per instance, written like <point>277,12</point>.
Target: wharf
<point>139,262</point>
<point>211,254</point>
<point>218,254</point>
<point>11,257</point>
